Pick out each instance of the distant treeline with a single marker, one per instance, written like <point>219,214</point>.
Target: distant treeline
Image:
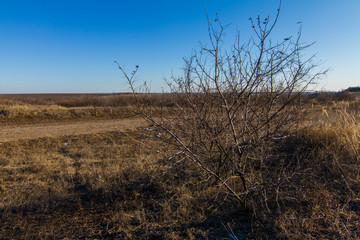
<point>353,89</point>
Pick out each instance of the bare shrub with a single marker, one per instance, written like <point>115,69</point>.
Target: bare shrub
<point>241,104</point>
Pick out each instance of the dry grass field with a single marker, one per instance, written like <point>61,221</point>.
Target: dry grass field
<point>85,166</point>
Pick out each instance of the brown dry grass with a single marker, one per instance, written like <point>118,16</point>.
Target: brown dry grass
<point>124,185</point>
<point>328,182</point>
<point>19,113</point>
<point>103,186</point>
<point>49,108</point>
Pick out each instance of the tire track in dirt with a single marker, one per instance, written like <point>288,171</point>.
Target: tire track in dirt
<point>13,133</point>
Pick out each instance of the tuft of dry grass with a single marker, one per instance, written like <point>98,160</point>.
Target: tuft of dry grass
<point>327,181</point>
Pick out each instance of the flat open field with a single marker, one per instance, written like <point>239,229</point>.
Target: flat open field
<point>87,166</point>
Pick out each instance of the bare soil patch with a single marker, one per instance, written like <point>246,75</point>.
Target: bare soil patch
<point>13,133</point>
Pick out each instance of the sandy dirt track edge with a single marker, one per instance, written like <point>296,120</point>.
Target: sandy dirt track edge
<point>13,133</point>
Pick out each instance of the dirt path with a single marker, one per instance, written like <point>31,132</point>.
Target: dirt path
<point>12,133</point>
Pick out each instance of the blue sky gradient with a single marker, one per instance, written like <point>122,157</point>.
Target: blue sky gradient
<point>69,46</point>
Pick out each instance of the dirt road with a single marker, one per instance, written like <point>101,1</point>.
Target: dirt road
<point>12,133</point>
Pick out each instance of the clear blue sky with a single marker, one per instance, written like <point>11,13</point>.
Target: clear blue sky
<point>63,46</point>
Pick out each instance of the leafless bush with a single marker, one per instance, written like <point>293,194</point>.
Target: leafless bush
<point>240,104</point>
